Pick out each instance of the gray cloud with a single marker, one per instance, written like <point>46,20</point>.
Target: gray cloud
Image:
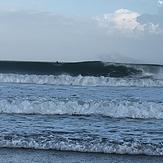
<point>50,37</point>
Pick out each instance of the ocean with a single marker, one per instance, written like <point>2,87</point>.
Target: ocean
<point>92,107</point>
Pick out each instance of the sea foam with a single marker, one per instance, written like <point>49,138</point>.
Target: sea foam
<point>113,108</point>
<point>87,144</point>
<point>81,80</point>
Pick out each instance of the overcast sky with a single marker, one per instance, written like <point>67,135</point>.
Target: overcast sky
<point>79,30</point>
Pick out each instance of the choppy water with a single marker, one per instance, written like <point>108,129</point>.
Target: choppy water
<point>82,113</point>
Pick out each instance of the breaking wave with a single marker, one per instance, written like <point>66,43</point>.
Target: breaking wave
<point>113,108</point>
<point>82,73</point>
<point>90,68</point>
<point>145,81</point>
<point>88,143</point>
<point>94,68</point>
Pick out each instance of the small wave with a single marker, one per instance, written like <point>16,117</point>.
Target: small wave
<point>113,108</point>
<point>80,80</point>
<point>87,144</point>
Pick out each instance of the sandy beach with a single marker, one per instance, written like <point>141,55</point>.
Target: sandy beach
<point>50,156</point>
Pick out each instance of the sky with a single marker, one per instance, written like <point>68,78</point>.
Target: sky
<point>80,30</point>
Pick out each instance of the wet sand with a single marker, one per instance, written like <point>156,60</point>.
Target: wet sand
<point>50,156</point>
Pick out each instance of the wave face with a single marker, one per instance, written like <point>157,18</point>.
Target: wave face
<point>73,69</point>
<point>94,68</point>
<point>81,80</point>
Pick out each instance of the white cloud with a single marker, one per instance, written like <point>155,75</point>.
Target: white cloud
<point>160,3</point>
<point>126,21</point>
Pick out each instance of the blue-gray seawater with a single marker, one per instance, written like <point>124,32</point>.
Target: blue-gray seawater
<point>120,114</point>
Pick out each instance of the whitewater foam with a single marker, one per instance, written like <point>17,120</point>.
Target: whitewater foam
<point>114,108</point>
<point>88,144</point>
<point>80,80</point>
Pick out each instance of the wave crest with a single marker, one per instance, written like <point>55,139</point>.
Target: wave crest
<point>115,108</point>
<point>80,80</point>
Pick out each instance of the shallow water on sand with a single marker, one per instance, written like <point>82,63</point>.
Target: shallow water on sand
<point>50,156</point>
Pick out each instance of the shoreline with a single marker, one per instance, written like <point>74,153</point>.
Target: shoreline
<point>17,155</point>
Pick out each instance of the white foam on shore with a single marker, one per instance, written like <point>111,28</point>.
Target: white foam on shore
<point>61,143</point>
<point>80,80</point>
